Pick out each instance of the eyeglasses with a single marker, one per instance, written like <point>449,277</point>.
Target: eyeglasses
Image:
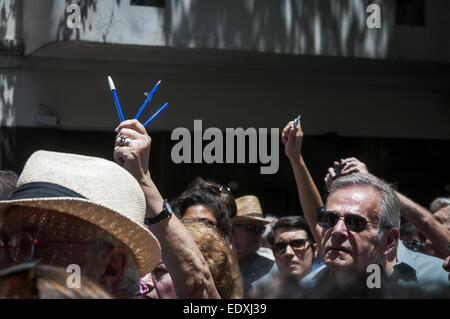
<point>250,228</point>
<point>22,248</point>
<point>353,222</point>
<point>297,245</point>
<point>415,245</point>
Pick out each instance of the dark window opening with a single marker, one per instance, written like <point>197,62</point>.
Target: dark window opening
<point>410,12</point>
<point>149,3</point>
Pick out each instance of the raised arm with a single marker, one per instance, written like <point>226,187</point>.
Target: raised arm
<point>308,194</point>
<point>419,216</point>
<point>426,224</point>
<point>190,273</point>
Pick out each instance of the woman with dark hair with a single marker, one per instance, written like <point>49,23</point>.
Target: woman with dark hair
<point>196,203</point>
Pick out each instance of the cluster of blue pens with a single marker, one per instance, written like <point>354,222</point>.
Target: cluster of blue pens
<point>149,97</point>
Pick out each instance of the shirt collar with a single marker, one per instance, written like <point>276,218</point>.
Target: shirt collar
<point>405,269</point>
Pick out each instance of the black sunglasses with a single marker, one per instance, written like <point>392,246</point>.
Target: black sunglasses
<point>353,222</point>
<point>296,244</point>
<point>250,228</point>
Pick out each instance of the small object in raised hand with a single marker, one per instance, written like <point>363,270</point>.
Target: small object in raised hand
<point>296,121</point>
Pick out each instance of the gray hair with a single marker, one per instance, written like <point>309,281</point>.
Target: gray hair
<point>129,284</point>
<point>438,203</point>
<point>390,205</point>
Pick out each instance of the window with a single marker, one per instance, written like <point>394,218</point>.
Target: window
<point>410,12</point>
<point>149,3</point>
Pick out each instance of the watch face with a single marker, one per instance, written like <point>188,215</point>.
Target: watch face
<point>166,207</point>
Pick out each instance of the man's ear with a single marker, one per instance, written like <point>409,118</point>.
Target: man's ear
<point>390,240</point>
<point>116,262</point>
<point>316,250</point>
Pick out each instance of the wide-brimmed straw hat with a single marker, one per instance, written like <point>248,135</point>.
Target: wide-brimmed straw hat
<point>249,210</point>
<point>93,189</point>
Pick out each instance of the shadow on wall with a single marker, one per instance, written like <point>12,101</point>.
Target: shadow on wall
<point>7,86</point>
<point>64,33</point>
<point>334,28</point>
<point>8,83</point>
<point>286,26</point>
<point>7,12</point>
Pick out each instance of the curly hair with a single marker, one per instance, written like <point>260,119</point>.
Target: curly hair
<point>194,197</point>
<point>222,193</point>
<point>221,259</point>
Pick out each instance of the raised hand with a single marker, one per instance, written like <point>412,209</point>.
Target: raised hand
<point>292,139</point>
<point>132,148</point>
<point>350,165</point>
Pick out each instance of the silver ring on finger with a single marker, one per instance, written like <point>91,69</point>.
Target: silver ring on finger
<point>124,140</point>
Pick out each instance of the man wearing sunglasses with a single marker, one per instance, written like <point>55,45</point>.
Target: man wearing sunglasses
<point>246,235</point>
<point>293,246</point>
<point>360,225</point>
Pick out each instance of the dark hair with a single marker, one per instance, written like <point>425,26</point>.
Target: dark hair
<point>298,222</point>
<point>197,197</point>
<point>8,181</point>
<point>407,229</point>
<point>222,193</point>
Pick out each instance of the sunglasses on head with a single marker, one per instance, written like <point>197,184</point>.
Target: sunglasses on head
<point>329,219</point>
<point>296,244</point>
<point>250,228</point>
<point>215,189</point>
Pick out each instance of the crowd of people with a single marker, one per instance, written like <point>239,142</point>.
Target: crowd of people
<point>109,220</point>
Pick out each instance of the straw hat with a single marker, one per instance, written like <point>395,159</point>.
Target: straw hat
<point>249,210</point>
<point>93,189</point>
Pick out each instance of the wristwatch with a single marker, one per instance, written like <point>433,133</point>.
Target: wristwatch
<point>165,213</point>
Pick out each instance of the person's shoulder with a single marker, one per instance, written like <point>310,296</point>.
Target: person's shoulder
<point>314,276</point>
<point>265,252</point>
<point>428,268</point>
<point>268,278</point>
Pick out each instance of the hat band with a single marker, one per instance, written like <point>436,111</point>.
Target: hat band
<point>259,215</point>
<point>41,189</point>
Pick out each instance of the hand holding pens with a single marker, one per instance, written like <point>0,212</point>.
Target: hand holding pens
<point>147,100</point>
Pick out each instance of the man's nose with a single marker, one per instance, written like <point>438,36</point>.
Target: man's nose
<point>289,251</point>
<point>339,230</point>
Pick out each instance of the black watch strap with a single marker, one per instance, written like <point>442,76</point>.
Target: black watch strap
<point>166,212</point>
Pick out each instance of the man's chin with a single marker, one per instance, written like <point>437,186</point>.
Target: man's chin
<point>338,262</point>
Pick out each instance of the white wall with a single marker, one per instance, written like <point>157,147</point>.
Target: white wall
<point>327,27</point>
<point>351,98</point>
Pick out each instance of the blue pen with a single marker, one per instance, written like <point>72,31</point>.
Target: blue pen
<point>156,114</point>
<point>116,99</point>
<point>149,97</point>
